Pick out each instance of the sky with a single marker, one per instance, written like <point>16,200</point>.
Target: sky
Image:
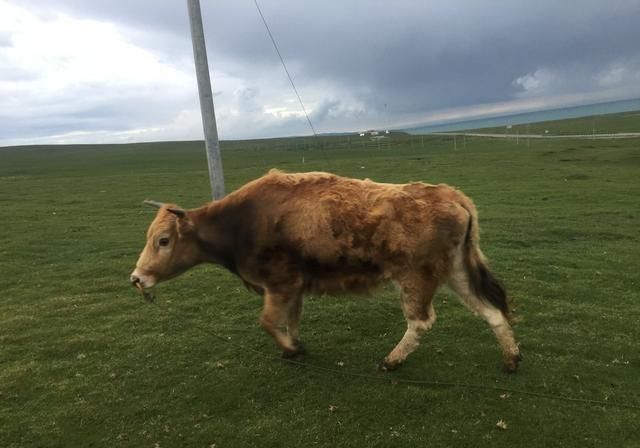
<point>117,71</point>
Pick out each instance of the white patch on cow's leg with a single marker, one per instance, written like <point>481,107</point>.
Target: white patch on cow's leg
<point>505,337</point>
<point>410,340</point>
<point>273,318</point>
<point>459,283</point>
<point>293,321</point>
<point>416,299</point>
<point>293,325</point>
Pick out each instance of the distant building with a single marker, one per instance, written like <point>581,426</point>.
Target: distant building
<point>371,132</point>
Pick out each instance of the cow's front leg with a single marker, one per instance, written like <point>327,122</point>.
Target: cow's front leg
<point>275,314</point>
<point>293,323</point>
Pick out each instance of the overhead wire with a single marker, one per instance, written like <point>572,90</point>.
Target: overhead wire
<point>275,45</point>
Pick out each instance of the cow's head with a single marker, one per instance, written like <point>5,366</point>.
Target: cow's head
<point>171,248</point>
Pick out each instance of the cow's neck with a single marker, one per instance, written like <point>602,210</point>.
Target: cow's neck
<point>215,238</point>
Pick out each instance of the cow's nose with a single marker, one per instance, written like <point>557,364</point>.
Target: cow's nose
<point>134,279</point>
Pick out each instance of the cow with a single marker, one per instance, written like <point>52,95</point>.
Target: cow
<point>287,235</point>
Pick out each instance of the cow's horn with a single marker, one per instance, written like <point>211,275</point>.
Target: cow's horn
<point>153,203</point>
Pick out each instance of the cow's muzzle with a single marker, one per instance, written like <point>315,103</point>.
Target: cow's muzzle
<point>138,283</point>
<point>135,280</point>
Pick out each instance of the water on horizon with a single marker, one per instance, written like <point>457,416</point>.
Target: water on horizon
<point>532,117</point>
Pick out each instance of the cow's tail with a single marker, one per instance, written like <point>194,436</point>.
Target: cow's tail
<point>481,280</point>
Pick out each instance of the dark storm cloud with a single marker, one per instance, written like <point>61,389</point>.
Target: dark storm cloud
<point>415,56</point>
<point>383,44</point>
<point>362,63</point>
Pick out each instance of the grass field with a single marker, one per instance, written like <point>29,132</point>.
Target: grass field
<point>84,362</point>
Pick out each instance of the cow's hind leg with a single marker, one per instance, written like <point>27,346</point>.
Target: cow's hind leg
<point>416,299</point>
<point>275,315</point>
<point>459,282</point>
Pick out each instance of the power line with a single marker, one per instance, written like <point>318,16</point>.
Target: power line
<point>285,67</point>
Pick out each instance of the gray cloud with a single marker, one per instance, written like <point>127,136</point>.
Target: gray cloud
<point>357,64</point>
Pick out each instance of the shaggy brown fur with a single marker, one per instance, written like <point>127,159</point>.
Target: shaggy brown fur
<point>287,235</point>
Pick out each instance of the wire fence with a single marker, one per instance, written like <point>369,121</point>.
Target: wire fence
<point>346,142</point>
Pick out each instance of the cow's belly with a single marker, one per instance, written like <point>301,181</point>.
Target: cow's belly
<point>356,276</point>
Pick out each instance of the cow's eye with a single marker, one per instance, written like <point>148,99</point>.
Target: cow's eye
<point>163,242</point>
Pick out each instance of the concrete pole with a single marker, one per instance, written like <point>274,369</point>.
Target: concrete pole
<point>212,145</point>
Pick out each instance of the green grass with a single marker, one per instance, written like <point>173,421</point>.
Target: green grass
<point>85,362</point>
<point>597,124</point>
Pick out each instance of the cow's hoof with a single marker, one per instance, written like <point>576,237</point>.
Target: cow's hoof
<point>298,350</point>
<point>388,366</point>
<point>511,364</point>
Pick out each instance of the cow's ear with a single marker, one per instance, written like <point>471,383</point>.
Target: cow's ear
<point>177,211</point>
<point>184,221</point>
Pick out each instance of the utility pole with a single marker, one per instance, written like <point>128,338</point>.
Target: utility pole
<point>212,145</point>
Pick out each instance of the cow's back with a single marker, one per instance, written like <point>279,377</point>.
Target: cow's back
<point>333,233</point>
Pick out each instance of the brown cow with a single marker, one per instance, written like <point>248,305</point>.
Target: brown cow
<point>287,235</point>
